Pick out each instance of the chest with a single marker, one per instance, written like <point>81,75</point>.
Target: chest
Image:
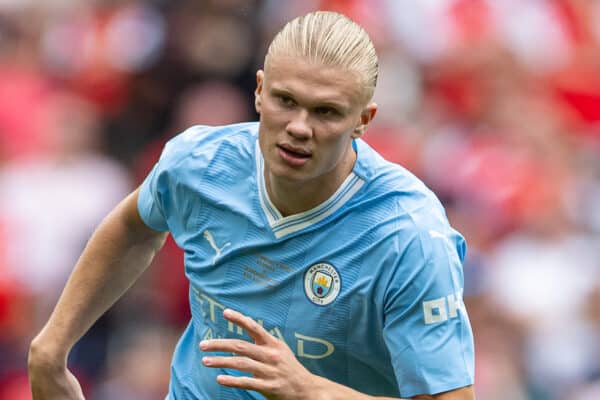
<point>313,291</point>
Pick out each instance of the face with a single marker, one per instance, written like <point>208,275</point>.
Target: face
<point>309,114</point>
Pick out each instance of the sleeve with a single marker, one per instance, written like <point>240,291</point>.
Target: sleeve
<point>150,204</point>
<point>157,196</point>
<point>426,327</point>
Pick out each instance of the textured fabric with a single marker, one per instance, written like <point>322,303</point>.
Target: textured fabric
<point>366,288</point>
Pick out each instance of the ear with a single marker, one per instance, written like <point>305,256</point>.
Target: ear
<point>260,78</point>
<point>366,116</point>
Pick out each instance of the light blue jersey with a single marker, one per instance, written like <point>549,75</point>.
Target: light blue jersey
<point>366,288</point>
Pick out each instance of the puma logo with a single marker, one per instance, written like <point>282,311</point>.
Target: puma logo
<point>209,237</point>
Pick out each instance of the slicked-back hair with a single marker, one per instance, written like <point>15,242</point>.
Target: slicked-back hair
<point>331,39</point>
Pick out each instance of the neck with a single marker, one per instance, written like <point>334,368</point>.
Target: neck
<point>294,197</point>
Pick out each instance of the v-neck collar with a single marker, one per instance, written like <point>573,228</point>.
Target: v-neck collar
<point>283,226</point>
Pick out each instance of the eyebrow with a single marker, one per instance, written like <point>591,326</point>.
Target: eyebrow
<point>325,102</point>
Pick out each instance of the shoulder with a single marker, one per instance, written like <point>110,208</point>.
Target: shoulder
<point>390,178</point>
<point>415,217</point>
<point>201,161</point>
<point>199,145</point>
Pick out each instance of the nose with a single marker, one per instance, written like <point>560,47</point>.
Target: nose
<point>299,126</point>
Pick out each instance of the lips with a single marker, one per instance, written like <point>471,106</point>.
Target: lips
<point>295,151</point>
<point>293,156</point>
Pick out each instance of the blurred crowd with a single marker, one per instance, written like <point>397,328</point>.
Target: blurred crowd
<point>494,104</point>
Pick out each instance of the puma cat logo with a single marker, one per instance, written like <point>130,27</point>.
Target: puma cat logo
<point>209,237</point>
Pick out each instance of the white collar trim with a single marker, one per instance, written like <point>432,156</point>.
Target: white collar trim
<point>283,226</point>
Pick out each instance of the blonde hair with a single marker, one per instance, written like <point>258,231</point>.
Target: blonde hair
<point>331,39</point>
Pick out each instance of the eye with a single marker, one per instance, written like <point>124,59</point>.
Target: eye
<point>286,101</point>
<point>326,111</point>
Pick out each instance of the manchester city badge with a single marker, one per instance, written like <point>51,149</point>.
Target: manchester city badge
<point>322,283</point>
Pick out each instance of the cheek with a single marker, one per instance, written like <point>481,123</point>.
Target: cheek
<point>269,120</point>
<point>338,130</point>
<point>273,120</point>
<point>336,145</point>
<point>271,108</point>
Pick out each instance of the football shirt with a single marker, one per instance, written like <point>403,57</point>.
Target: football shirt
<point>365,288</point>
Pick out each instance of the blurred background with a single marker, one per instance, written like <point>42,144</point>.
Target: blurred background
<point>494,104</point>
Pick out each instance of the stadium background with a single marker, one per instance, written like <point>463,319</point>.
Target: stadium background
<point>494,104</point>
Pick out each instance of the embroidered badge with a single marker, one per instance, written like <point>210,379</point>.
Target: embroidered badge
<point>322,283</point>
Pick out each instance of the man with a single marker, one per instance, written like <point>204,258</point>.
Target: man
<point>317,269</point>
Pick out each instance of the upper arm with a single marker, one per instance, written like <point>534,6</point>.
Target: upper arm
<point>126,216</point>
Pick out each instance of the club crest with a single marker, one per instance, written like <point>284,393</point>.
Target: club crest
<point>322,283</point>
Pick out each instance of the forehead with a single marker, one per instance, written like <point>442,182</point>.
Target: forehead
<point>314,81</point>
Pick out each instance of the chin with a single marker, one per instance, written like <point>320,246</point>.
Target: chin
<point>287,174</point>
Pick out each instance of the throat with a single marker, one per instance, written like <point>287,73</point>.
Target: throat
<point>294,197</point>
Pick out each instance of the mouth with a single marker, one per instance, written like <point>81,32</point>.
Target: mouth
<point>296,151</point>
<point>293,155</point>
